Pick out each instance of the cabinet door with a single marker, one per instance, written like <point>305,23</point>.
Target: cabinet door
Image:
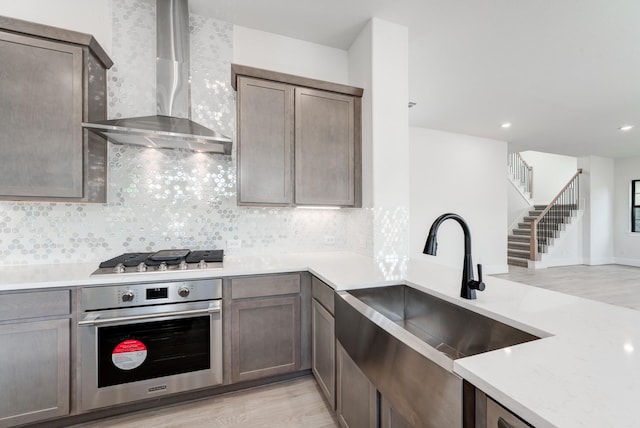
<point>34,373</point>
<point>265,141</point>
<point>324,148</point>
<point>356,399</point>
<point>499,417</point>
<point>40,114</point>
<point>265,337</point>
<point>323,351</point>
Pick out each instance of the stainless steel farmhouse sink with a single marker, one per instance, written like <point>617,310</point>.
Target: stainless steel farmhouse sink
<point>405,342</point>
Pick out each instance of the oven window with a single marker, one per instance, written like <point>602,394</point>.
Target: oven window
<point>134,352</point>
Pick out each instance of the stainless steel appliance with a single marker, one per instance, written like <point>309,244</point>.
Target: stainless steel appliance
<point>172,127</point>
<point>145,340</point>
<point>162,261</point>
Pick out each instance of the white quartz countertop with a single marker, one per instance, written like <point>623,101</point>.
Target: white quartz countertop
<point>585,372</point>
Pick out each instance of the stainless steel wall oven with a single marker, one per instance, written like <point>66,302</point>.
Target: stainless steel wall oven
<point>144,340</point>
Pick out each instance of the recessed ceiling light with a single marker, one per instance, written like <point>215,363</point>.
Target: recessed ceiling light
<point>506,125</point>
<point>626,128</point>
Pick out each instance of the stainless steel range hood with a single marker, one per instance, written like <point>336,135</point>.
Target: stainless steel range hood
<point>172,127</point>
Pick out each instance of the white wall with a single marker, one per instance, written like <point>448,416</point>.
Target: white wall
<point>597,190</point>
<point>287,55</point>
<point>379,62</point>
<point>550,173</point>
<point>627,244</point>
<point>465,175</point>
<point>86,16</point>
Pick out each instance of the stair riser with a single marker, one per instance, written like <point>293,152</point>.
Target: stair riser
<point>517,262</point>
<point>518,246</point>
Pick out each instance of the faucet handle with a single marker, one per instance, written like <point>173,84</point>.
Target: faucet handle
<point>478,285</point>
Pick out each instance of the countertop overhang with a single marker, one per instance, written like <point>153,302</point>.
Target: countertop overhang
<point>585,372</point>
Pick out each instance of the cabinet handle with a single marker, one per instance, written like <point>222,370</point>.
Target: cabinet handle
<point>191,312</point>
<point>504,424</point>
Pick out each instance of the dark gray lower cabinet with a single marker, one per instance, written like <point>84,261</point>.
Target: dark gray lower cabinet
<point>324,351</point>
<point>34,357</point>
<point>356,396</point>
<point>266,326</point>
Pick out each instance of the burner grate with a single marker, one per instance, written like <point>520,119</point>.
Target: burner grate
<point>128,260</point>
<point>209,256</point>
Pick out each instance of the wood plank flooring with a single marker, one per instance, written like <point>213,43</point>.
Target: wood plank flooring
<point>615,284</point>
<point>292,404</point>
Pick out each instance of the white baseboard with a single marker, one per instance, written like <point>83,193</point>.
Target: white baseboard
<point>627,262</point>
<point>601,261</point>
<point>543,264</point>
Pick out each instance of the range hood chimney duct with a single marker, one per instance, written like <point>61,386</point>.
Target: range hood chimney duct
<point>171,127</point>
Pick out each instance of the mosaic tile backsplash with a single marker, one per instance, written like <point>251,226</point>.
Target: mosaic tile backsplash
<point>160,199</point>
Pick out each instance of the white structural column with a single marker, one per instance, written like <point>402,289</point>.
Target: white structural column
<point>597,193</point>
<point>379,62</point>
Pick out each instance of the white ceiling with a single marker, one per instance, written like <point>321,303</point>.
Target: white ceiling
<point>565,73</point>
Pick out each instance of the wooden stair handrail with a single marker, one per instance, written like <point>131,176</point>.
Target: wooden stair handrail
<point>533,242</point>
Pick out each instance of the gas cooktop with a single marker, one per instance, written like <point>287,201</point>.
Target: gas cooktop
<point>162,261</point>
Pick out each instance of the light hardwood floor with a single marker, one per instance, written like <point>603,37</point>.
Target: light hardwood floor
<point>292,404</point>
<point>615,284</point>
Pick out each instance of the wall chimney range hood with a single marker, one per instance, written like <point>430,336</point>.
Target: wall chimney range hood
<point>171,127</point>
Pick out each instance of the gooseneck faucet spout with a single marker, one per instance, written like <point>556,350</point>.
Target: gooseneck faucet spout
<point>469,285</point>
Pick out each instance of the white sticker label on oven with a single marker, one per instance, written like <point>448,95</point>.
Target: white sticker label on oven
<point>129,354</point>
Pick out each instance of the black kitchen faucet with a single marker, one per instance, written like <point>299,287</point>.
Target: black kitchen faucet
<point>469,285</point>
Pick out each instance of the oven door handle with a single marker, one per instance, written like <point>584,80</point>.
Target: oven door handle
<point>98,321</point>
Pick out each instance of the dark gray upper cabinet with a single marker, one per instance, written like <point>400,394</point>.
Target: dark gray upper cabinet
<point>299,140</point>
<point>265,142</point>
<point>50,81</point>
<point>325,149</point>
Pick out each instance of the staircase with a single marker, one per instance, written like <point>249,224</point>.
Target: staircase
<point>519,242</point>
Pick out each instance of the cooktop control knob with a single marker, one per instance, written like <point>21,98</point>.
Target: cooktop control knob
<point>119,268</point>
<point>184,291</point>
<point>183,265</point>
<point>163,266</point>
<point>141,267</point>
<point>127,296</point>
<point>202,264</point>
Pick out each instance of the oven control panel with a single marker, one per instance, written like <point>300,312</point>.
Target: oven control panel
<point>144,294</point>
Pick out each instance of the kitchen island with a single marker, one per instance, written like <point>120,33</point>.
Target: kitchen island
<point>584,372</point>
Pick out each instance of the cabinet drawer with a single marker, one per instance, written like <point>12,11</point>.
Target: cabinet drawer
<point>16,306</point>
<point>322,293</point>
<point>264,286</point>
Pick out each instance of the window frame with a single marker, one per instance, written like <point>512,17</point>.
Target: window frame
<point>634,204</point>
